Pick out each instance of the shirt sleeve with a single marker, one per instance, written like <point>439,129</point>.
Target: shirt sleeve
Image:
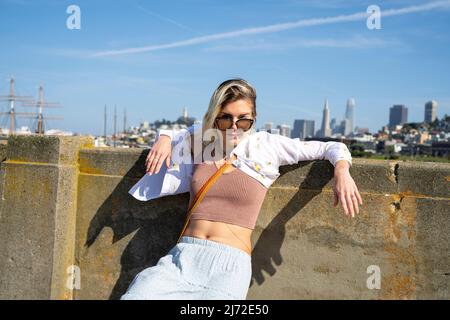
<point>168,181</point>
<point>292,150</point>
<point>177,133</point>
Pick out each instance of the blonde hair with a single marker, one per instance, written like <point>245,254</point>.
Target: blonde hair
<point>228,91</point>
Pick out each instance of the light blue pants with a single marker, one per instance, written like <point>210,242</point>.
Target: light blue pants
<point>195,269</point>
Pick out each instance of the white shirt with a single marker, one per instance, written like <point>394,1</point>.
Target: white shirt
<point>259,154</point>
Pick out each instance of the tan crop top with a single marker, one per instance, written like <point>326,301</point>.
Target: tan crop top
<point>234,198</point>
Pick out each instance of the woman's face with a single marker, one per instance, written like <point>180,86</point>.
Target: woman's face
<point>238,109</point>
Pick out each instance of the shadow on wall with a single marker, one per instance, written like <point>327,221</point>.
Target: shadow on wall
<point>158,222</point>
<point>267,250</point>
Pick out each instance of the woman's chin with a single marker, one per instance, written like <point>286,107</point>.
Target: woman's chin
<point>233,141</point>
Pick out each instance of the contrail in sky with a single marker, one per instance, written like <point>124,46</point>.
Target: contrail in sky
<point>277,28</point>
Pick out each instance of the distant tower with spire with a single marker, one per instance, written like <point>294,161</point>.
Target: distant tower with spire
<point>325,130</point>
<point>185,119</point>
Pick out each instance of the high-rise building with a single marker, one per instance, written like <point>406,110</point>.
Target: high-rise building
<point>275,131</point>
<point>268,126</point>
<point>285,130</point>
<point>430,111</point>
<point>325,130</point>
<point>398,115</point>
<point>346,127</point>
<point>303,129</point>
<point>349,114</point>
<point>333,124</point>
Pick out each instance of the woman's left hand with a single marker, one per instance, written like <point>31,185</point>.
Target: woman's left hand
<point>346,191</point>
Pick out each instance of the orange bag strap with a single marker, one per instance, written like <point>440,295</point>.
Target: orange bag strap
<point>201,193</point>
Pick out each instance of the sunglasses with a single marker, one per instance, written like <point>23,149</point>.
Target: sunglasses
<point>226,122</point>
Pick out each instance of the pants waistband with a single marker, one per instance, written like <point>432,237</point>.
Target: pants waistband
<point>214,244</point>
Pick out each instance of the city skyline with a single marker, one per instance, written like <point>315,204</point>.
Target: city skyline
<point>293,70</point>
<point>347,125</point>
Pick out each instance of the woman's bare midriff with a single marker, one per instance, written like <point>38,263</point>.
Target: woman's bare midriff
<point>220,232</point>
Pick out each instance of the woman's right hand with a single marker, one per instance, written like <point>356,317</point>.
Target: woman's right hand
<point>161,150</point>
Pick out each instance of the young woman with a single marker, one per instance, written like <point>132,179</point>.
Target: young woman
<point>212,260</point>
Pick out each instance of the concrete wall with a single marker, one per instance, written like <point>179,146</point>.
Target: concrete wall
<point>65,203</point>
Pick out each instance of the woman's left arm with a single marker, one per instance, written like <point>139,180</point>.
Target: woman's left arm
<point>292,150</point>
<point>345,189</point>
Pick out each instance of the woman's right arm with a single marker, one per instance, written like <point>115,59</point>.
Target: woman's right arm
<point>162,149</point>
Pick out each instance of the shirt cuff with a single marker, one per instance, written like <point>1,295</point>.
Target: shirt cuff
<point>165,132</point>
<point>349,160</point>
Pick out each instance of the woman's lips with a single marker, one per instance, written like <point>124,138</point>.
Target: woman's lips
<point>232,136</point>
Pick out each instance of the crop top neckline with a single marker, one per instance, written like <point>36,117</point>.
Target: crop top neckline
<point>212,164</point>
<point>234,199</point>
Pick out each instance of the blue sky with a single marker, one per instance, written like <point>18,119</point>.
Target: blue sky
<point>294,67</point>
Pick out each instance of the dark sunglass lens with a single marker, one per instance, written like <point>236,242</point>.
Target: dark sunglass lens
<point>244,124</point>
<point>224,123</point>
